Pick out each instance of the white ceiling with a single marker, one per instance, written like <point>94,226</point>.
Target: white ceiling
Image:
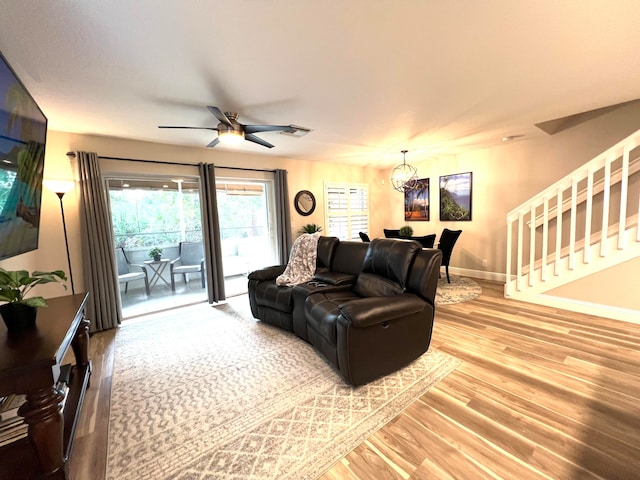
<point>369,77</point>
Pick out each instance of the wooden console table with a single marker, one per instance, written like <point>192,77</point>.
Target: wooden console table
<point>29,364</point>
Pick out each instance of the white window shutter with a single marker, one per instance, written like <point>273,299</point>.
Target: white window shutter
<point>347,210</point>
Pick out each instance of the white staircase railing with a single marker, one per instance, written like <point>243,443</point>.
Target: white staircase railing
<point>584,222</point>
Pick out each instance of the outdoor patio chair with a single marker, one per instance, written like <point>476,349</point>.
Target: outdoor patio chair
<point>128,272</point>
<point>190,260</point>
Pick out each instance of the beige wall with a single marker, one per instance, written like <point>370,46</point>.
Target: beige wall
<point>503,177</point>
<point>51,252</point>
<point>615,287</point>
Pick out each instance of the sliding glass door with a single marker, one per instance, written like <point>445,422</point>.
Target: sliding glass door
<point>247,229</point>
<point>163,210</point>
<point>162,214</point>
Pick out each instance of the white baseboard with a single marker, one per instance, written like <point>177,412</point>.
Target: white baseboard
<point>465,272</point>
<point>597,309</point>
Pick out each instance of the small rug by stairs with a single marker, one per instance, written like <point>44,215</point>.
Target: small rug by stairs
<point>210,393</point>
<point>461,289</point>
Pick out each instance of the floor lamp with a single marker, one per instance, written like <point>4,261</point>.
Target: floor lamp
<point>60,187</point>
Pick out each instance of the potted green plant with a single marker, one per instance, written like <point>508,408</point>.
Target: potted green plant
<point>406,231</point>
<point>310,228</point>
<point>20,312</point>
<point>156,253</point>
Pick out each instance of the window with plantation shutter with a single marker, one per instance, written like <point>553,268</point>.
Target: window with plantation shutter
<point>346,210</point>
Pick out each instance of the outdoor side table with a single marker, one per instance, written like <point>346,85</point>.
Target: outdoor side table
<point>157,267</point>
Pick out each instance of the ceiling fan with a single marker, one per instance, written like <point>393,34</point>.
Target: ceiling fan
<point>233,132</point>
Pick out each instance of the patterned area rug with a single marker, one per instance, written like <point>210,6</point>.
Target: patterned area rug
<point>210,393</point>
<point>461,289</point>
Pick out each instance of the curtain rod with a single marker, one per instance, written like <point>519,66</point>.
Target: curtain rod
<point>161,162</point>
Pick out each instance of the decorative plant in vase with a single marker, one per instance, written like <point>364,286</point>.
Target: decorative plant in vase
<point>406,231</point>
<point>310,228</point>
<point>19,311</point>
<point>156,253</point>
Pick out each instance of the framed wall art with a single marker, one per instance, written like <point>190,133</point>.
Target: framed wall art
<point>416,202</point>
<point>455,197</point>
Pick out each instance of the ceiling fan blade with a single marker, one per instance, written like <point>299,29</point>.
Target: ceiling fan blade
<point>254,139</point>
<point>219,115</point>
<point>193,128</point>
<point>265,128</point>
<point>214,142</point>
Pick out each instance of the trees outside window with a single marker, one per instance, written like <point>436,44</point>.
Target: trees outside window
<point>146,217</point>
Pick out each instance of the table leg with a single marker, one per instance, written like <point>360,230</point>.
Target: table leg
<point>80,345</point>
<point>43,415</point>
<point>157,269</point>
<point>154,277</point>
<point>161,270</point>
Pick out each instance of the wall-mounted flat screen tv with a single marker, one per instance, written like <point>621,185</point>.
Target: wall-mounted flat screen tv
<point>23,134</point>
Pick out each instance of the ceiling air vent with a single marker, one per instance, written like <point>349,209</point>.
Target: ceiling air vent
<point>295,131</point>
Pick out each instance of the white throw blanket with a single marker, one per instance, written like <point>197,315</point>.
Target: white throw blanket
<point>302,261</point>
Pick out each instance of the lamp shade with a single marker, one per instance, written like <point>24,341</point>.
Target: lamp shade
<point>59,186</point>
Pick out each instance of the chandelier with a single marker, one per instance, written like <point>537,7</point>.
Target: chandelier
<point>404,177</point>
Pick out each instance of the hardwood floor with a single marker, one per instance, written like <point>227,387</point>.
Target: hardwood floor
<point>541,393</point>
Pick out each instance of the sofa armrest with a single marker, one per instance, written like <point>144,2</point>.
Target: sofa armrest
<point>269,273</point>
<point>364,312</point>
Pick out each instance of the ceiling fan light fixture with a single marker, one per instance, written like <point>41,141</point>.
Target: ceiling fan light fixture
<point>231,137</point>
<point>232,132</point>
<point>404,177</point>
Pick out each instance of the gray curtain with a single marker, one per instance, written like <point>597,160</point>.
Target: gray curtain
<point>98,254</point>
<point>211,233</point>
<point>283,216</point>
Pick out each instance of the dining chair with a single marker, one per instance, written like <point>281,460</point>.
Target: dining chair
<point>448,239</point>
<point>426,241</point>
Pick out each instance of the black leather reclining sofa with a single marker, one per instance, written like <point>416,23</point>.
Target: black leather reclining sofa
<point>368,310</point>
